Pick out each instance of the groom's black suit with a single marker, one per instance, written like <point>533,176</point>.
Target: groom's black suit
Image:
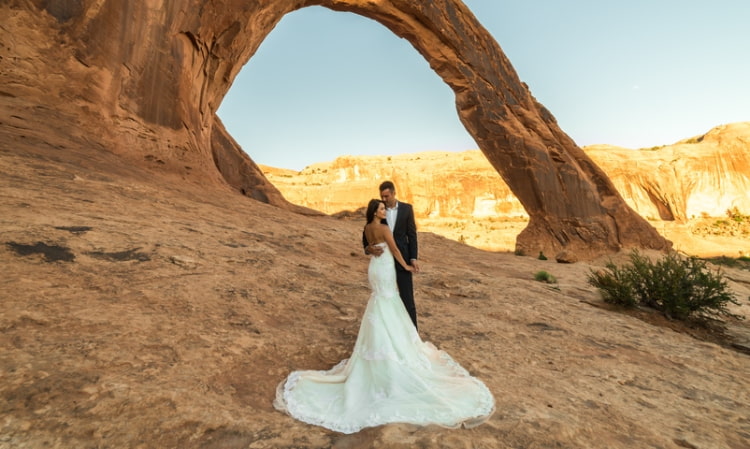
<point>405,235</point>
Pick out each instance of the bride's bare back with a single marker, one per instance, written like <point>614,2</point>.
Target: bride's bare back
<point>375,232</point>
<point>378,233</point>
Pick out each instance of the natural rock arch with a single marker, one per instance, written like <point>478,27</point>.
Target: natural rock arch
<point>151,76</point>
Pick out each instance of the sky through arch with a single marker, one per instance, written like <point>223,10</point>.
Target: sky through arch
<point>320,87</point>
<point>636,74</point>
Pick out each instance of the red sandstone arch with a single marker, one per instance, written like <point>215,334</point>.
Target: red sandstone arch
<point>150,80</point>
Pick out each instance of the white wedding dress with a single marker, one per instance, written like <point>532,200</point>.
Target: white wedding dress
<point>392,376</point>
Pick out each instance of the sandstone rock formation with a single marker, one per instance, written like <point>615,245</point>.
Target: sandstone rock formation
<point>147,304</point>
<point>145,80</point>
<point>439,184</point>
<point>700,176</point>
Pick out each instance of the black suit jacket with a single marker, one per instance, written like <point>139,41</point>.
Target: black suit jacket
<point>404,233</point>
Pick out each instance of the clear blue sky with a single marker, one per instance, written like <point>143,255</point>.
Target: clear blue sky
<point>635,74</point>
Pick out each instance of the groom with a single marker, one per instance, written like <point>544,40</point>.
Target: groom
<point>400,218</point>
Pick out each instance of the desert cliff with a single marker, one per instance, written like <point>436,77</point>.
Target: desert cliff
<point>461,196</point>
<point>698,176</point>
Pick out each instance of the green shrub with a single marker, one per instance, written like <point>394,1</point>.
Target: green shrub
<point>741,263</point>
<point>725,260</point>
<point>680,288</point>
<point>693,140</point>
<point>543,276</point>
<point>614,285</point>
<point>541,256</point>
<point>737,216</point>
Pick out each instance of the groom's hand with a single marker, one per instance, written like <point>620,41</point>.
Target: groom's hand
<point>415,264</point>
<point>374,250</point>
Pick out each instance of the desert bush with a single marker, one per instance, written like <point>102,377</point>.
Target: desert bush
<point>543,276</point>
<point>741,263</point>
<point>681,288</point>
<point>735,215</point>
<point>694,140</point>
<point>614,284</point>
<point>735,224</point>
<point>541,256</point>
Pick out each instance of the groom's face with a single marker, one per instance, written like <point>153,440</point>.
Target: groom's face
<point>388,196</point>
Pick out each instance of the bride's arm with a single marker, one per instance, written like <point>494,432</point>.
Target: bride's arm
<point>394,249</point>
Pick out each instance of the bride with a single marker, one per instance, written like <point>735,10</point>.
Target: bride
<point>392,376</point>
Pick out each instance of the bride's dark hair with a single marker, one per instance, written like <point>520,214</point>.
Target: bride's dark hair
<point>372,207</point>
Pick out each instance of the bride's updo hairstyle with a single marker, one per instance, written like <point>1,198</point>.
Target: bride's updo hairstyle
<point>372,207</point>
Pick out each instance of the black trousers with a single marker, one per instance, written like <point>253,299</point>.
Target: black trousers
<point>406,291</point>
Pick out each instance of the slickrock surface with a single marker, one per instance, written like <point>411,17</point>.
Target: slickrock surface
<point>140,312</point>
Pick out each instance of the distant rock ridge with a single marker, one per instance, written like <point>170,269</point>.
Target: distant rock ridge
<point>699,176</point>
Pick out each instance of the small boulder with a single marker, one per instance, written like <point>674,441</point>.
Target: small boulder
<point>566,257</point>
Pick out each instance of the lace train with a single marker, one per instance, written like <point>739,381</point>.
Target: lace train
<point>391,376</point>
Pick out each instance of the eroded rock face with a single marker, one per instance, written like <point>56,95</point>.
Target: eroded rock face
<point>438,184</point>
<point>700,176</point>
<point>697,176</point>
<point>144,79</point>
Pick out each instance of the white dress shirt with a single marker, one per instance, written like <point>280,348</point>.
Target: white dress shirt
<point>390,216</point>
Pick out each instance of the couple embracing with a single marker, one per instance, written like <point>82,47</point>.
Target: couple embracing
<point>399,217</point>
<point>392,376</point>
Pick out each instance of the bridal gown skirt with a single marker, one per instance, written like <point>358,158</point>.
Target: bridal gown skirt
<point>392,376</point>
